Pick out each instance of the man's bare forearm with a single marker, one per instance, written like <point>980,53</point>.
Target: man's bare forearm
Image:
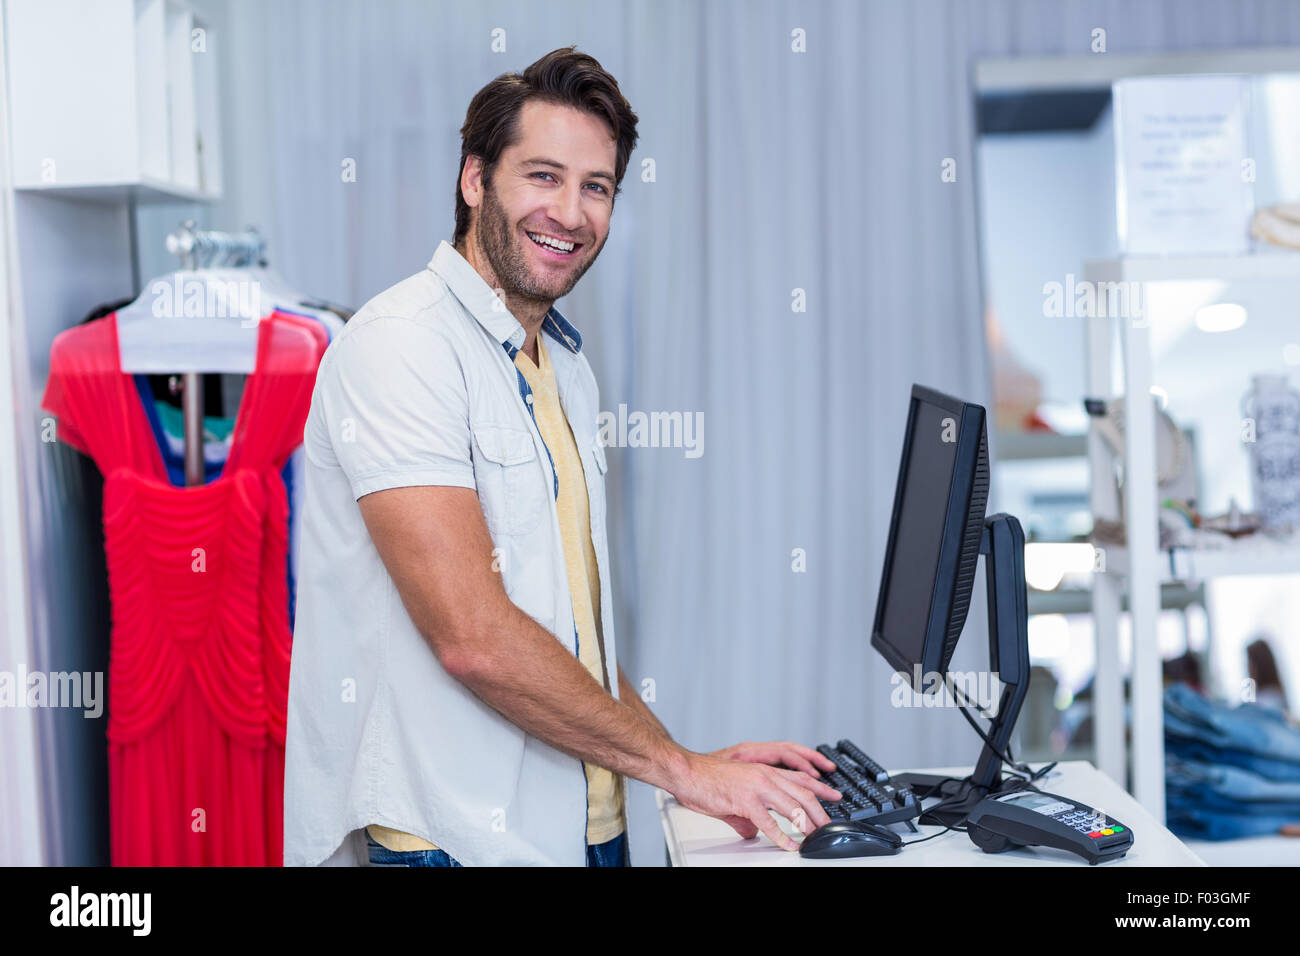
<point>434,543</point>
<point>628,695</point>
<point>540,687</point>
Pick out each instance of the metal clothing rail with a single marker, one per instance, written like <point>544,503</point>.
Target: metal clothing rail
<point>207,249</point>
<point>200,249</point>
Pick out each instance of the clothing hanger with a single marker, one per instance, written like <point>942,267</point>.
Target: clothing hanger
<point>201,319</point>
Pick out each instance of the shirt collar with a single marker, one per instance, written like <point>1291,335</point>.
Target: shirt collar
<point>477,296</point>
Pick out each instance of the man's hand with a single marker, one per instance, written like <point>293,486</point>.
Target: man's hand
<point>741,793</point>
<point>778,753</point>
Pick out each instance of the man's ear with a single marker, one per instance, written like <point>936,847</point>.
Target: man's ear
<point>471,181</point>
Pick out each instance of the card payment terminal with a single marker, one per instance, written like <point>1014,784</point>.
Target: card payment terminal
<point>1033,818</point>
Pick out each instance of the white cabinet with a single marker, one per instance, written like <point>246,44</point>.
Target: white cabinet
<point>113,97</point>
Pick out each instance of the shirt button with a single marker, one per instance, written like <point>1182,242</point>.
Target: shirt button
<point>528,398</point>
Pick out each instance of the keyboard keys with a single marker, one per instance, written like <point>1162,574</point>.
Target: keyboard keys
<point>867,793</point>
<point>833,756</point>
<point>853,752</point>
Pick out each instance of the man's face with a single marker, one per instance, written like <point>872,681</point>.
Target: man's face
<point>555,186</point>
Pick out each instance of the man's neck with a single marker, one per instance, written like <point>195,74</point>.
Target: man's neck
<point>528,312</point>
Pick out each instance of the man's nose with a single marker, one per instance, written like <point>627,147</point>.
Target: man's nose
<point>566,208</point>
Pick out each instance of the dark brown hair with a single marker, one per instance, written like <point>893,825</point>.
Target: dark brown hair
<point>564,77</point>
<point>1262,665</point>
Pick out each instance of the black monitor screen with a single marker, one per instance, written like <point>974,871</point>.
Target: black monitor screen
<point>919,534</point>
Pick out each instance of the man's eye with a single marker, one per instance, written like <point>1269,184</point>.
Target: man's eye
<point>541,174</point>
<point>598,186</point>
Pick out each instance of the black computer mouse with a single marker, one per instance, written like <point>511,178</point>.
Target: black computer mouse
<point>842,839</point>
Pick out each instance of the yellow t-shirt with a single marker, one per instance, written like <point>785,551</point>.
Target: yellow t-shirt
<point>605,797</point>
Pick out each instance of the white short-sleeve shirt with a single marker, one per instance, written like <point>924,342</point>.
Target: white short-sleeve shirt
<point>420,389</point>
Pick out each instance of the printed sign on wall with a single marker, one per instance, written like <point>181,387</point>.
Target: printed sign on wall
<point>1183,186</point>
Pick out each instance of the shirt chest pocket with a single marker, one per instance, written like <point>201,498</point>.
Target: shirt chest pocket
<point>511,484</point>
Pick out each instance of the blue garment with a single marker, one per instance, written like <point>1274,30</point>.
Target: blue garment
<point>1230,772</point>
<point>1216,825</point>
<point>1270,769</point>
<point>1248,728</point>
<point>611,853</point>
<point>214,455</point>
<point>1211,803</point>
<point>1188,776</point>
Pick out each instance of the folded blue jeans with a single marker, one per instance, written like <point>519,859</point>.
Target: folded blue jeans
<point>1180,746</point>
<point>611,853</point>
<point>1181,799</point>
<point>1256,730</point>
<point>1227,782</point>
<point>1212,825</point>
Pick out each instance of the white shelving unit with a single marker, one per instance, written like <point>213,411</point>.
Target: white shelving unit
<point>1142,566</point>
<point>113,99</point>
<point>1252,556</point>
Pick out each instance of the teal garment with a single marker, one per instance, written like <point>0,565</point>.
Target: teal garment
<point>215,428</point>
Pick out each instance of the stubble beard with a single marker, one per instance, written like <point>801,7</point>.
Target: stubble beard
<point>503,249</point>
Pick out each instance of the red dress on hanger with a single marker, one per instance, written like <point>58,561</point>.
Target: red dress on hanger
<point>199,658</point>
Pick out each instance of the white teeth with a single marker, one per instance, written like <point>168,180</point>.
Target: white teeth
<point>556,244</point>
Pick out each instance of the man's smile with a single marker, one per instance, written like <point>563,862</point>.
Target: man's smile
<point>553,247</point>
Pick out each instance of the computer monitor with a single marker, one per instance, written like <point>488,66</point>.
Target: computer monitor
<point>937,532</point>
<point>934,535</point>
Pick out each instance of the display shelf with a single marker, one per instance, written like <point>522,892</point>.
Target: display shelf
<point>1271,263</point>
<point>1247,556</point>
<point>1024,446</point>
<point>1140,569</point>
<point>1174,595</point>
<point>127,102</point>
<point>146,191</point>
<point>1191,565</point>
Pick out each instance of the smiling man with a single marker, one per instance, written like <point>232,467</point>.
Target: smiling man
<point>455,696</point>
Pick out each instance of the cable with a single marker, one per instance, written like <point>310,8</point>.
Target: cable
<point>1016,767</point>
<point>933,835</point>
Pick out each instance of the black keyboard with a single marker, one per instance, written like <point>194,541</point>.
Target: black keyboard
<point>867,793</point>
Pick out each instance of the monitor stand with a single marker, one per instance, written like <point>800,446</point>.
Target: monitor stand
<point>1003,547</point>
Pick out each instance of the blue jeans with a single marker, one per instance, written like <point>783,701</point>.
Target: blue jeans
<point>1255,730</point>
<point>1222,802</point>
<point>1180,746</point>
<point>1209,781</point>
<point>1213,825</point>
<point>612,853</point>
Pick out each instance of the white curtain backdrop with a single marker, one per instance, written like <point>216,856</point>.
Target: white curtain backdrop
<point>774,171</point>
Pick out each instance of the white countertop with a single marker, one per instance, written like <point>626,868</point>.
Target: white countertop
<point>1248,851</point>
<point>694,839</point>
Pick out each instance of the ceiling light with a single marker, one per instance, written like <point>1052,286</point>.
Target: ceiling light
<point>1221,317</point>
